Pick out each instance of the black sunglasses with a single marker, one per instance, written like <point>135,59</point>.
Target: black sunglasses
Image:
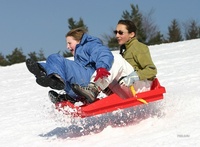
<point>119,32</point>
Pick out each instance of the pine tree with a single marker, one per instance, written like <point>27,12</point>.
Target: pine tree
<point>153,35</point>
<point>193,31</point>
<point>33,56</point>
<point>3,61</point>
<point>137,17</point>
<point>67,54</point>
<point>73,24</point>
<point>41,56</point>
<point>174,32</point>
<point>16,57</point>
<point>157,39</point>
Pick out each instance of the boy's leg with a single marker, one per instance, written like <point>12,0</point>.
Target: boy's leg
<point>42,79</point>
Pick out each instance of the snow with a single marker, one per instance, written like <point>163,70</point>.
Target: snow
<point>28,118</point>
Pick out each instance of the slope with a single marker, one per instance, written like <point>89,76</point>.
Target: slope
<point>29,119</point>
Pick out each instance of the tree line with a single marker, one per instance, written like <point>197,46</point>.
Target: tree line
<point>147,32</point>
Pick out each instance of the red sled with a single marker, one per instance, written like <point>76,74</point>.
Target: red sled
<point>112,102</point>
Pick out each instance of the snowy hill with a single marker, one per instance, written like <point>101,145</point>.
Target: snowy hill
<point>29,119</point>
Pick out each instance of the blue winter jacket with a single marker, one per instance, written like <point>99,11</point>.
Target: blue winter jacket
<point>90,54</point>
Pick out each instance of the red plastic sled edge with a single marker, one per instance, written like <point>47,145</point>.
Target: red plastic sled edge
<point>112,102</point>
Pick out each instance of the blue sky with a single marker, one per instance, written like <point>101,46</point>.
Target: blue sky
<point>42,24</point>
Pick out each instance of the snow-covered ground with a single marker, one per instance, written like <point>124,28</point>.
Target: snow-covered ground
<point>28,118</point>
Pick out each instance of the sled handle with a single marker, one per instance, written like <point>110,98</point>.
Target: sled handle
<point>133,90</point>
<point>134,93</point>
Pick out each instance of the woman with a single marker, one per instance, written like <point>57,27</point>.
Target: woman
<point>137,54</point>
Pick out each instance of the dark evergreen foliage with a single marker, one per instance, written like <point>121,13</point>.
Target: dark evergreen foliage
<point>3,61</point>
<point>17,56</point>
<point>174,32</point>
<point>193,31</point>
<point>67,54</point>
<point>73,24</point>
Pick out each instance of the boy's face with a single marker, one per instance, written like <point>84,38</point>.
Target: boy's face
<point>71,44</point>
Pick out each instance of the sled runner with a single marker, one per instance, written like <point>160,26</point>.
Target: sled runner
<point>112,102</point>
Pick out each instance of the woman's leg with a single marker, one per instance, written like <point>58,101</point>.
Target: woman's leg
<point>119,69</point>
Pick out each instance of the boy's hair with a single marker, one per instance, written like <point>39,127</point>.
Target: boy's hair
<point>76,33</point>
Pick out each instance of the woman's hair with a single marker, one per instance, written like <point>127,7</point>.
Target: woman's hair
<point>76,33</point>
<point>130,26</point>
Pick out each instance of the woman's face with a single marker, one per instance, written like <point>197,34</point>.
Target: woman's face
<point>122,34</point>
<point>71,44</point>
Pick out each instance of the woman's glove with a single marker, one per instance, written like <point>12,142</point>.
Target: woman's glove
<point>129,80</point>
<point>101,72</point>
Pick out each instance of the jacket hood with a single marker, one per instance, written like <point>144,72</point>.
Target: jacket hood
<point>88,38</point>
